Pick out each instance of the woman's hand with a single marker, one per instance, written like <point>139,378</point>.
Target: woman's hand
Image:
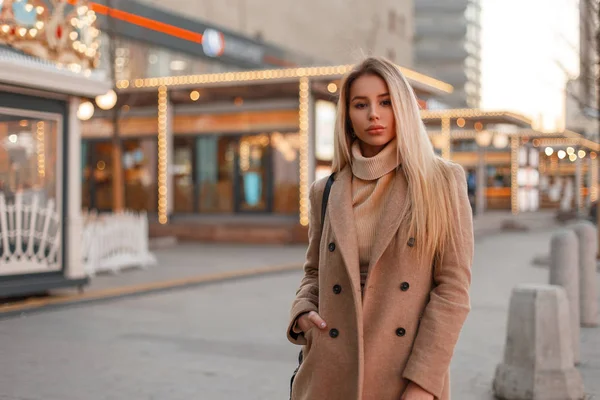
<point>310,320</point>
<point>416,392</point>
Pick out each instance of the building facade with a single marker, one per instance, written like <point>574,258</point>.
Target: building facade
<point>447,45</point>
<point>42,84</point>
<point>226,146</point>
<point>580,115</point>
<point>143,41</point>
<point>332,32</point>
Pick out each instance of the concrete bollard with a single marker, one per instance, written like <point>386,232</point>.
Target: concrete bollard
<point>538,358</point>
<point>564,271</point>
<point>588,288</point>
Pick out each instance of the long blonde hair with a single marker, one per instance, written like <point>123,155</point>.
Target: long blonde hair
<point>432,188</point>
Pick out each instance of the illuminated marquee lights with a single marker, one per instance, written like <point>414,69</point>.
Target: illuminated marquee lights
<point>162,155</point>
<point>269,74</point>
<point>446,135</point>
<point>41,156</point>
<point>514,169</point>
<point>594,179</point>
<point>303,124</point>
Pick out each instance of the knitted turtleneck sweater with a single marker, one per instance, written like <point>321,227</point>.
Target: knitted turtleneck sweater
<point>371,181</point>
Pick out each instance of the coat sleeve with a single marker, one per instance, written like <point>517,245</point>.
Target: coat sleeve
<point>449,301</point>
<point>307,295</point>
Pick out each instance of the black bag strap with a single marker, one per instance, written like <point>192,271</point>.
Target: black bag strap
<point>326,197</point>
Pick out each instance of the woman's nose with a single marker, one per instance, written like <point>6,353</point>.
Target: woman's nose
<point>373,114</point>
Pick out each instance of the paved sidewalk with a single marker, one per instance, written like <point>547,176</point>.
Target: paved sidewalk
<point>189,260</point>
<point>501,262</point>
<point>188,264</point>
<point>182,265</point>
<point>186,260</point>
<point>211,341</point>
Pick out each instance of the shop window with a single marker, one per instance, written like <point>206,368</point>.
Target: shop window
<point>391,54</point>
<point>392,21</point>
<point>28,158</point>
<point>215,160</point>
<point>98,176</point>
<point>140,174</point>
<point>286,165</point>
<point>253,172</point>
<point>401,26</point>
<point>86,198</point>
<point>183,180</point>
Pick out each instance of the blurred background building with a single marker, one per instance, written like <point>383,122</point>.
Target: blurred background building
<point>447,45</point>
<point>331,32</point>
<point>223,113</point>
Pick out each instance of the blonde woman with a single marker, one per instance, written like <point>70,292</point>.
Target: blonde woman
<point>386,286</point>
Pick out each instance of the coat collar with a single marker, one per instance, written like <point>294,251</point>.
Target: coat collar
<point>341,217</point>
<point>391,218</point>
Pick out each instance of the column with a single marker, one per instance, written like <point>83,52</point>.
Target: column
<point>447,149</point>
<point>514,169</point>
<point>480,200</point>
<point>165,151</point>
<point>73,221</point>
<point>170,155</point>
<point>118,181</point>
<point>578,184</point>
<point>312,138</point>
<point>303,113</point>
<point>590,184</point>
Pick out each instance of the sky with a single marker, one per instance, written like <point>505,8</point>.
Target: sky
<point>529,49</point>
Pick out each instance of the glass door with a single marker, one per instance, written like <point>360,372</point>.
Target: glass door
<point>253,174</point>
<point>140,170</point>
<point>183,175</point>
<point>215,170</point>
<point>97,175</point>
<point>31,208</point>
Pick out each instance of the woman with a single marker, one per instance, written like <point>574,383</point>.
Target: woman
<point>387,275</point>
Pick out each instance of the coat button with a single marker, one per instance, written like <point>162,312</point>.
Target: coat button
<point>337,289</point>
<point>334,333</point>
<point>331,246</point>
<point>400,332</point>
<point>404,286</point>
<point>411,242</point>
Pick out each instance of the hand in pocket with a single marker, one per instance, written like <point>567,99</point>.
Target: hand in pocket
<point>310,320</point>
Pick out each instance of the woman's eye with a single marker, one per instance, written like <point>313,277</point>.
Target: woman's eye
<point>360,105</point>
<point>386,103</point>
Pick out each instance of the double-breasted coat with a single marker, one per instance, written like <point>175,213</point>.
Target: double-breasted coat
<point>407,324</point>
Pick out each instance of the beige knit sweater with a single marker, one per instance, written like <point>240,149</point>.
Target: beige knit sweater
<point>371,181</point>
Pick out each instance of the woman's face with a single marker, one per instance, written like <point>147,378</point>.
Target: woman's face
<point>371,114</point>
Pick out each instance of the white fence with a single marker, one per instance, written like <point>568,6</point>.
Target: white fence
<point>115,241</point>
<point>30,234</point>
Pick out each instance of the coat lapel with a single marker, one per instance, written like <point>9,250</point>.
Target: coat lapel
<point>341,219</point>
<point>390,219</point>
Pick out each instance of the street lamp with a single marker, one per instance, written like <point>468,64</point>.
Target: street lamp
<point>483,138</point>
<point>107,101</point>
<point>85,111</point>
<point>500,141</point>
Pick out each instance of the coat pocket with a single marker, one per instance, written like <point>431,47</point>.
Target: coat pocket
<point>303,357</point>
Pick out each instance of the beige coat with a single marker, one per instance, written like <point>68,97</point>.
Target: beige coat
<point>412,313</point>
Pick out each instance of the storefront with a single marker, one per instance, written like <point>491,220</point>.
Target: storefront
<point>150,42</point>
<point>40,184</point>
<point>244,144</point>
<point>511,166</point>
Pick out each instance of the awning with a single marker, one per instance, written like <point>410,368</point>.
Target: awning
<point>17,68</point>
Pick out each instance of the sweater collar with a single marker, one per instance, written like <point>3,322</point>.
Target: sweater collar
<point>373,168</point>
